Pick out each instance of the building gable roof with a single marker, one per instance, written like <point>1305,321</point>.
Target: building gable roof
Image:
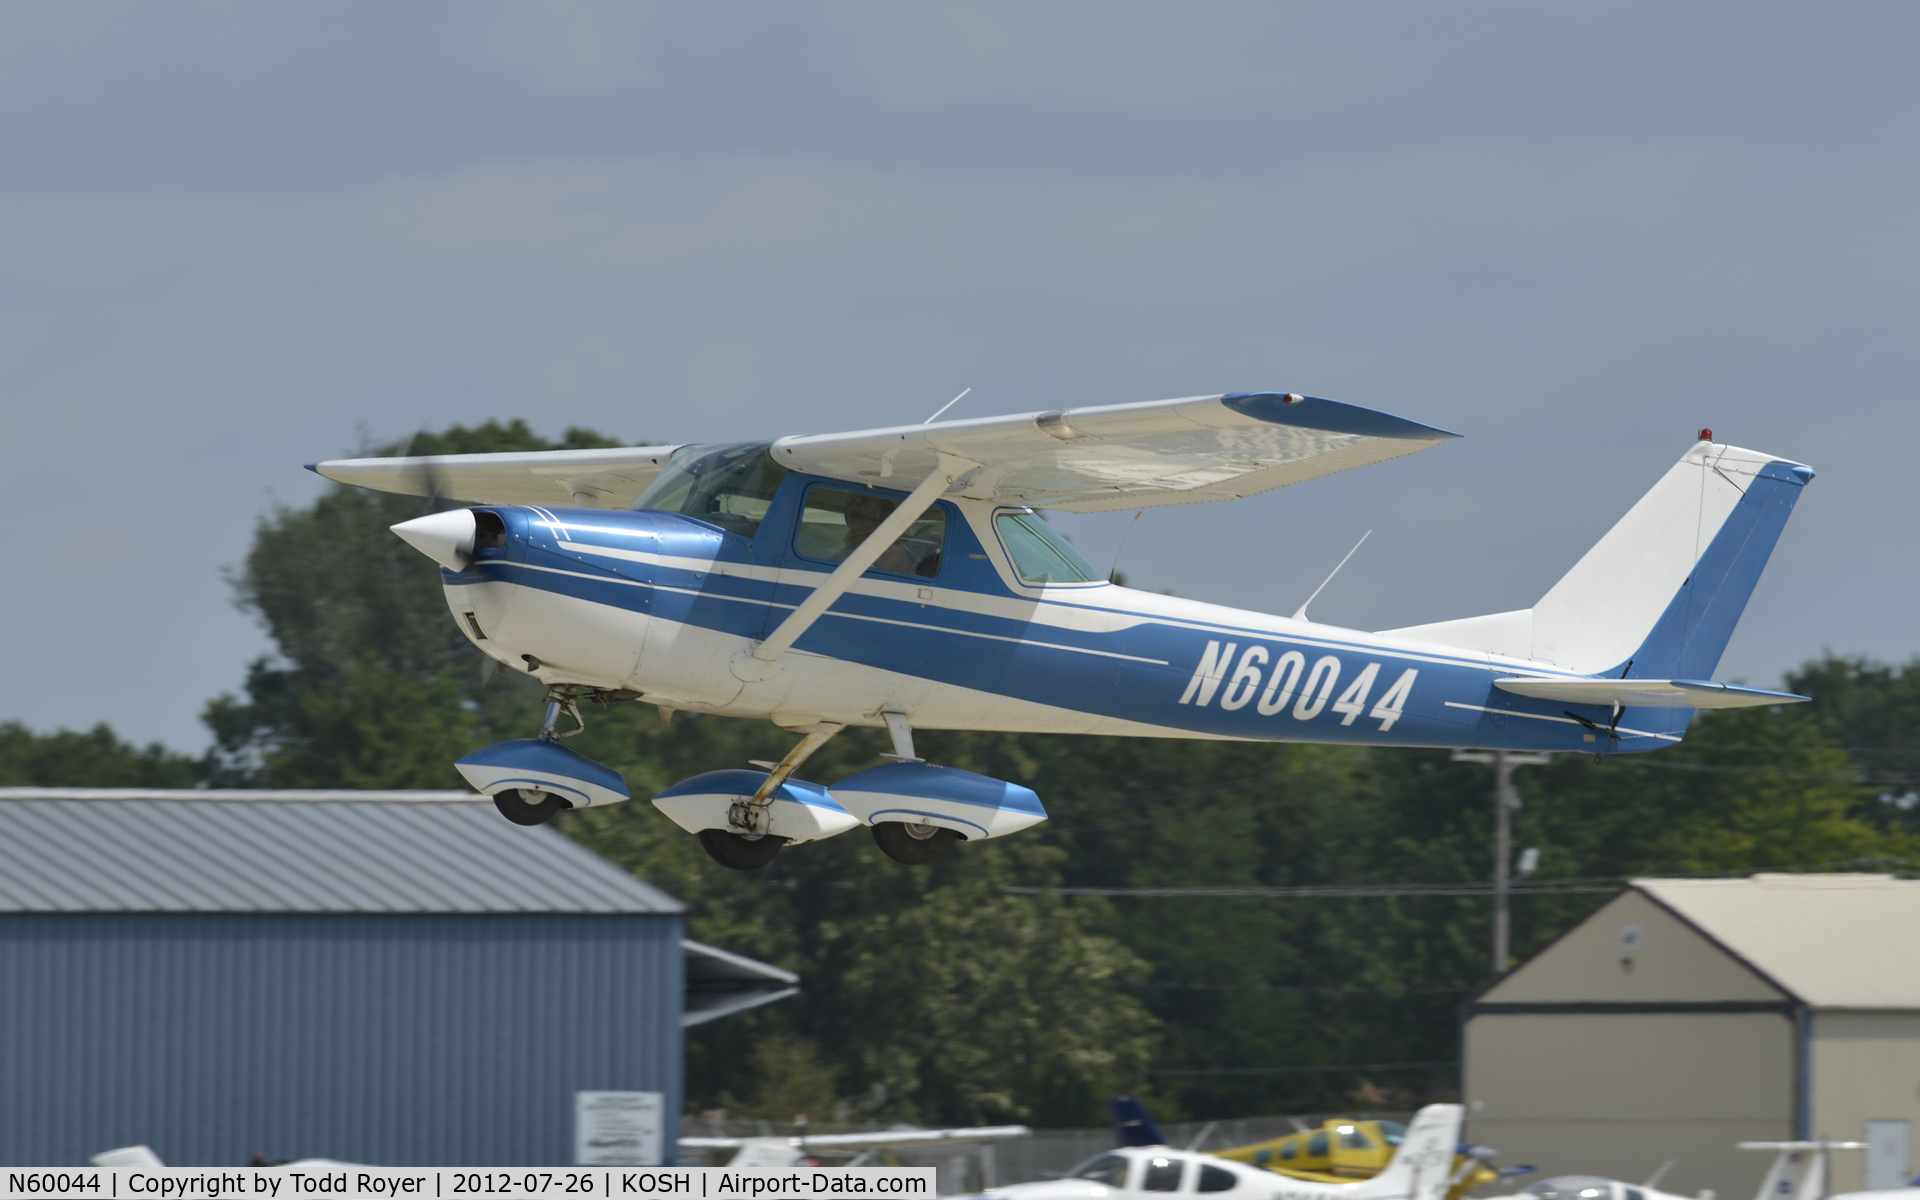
<point>1832,941</point>
<point>1669,962</point>
<point>297,856</point>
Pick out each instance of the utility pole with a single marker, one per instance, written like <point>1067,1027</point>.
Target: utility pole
<point>1505,800</point>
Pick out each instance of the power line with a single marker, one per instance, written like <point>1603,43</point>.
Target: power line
<point>1392,1066</point>
<point>1335,890</point>
<point>1338,991</point>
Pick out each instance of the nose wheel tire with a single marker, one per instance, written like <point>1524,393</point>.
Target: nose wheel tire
<point>913,844</point>
<point>740,852</point>
<point>524,806</point>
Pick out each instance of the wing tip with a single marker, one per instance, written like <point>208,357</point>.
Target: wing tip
<point>1332,416</point>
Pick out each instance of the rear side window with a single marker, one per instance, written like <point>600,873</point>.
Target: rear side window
<point>1216,1179</point>
<point>1039,554</point>
<point>1317,1145</point>
<point>1163,1175</point>
<point>1110,1169</point>
<point>1290,1150</point>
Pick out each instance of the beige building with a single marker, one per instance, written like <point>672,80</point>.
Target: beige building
<point>1686,1015</point>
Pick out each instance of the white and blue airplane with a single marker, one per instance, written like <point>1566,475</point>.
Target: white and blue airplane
<point>902,578</point>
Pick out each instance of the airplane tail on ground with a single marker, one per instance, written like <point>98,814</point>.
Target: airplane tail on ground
<point>1658,596</point>
<point>1133,1125</point>
<point>1800,1169</point>
<point>1422,1168</point>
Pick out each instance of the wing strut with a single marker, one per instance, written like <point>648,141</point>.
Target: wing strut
<point>864,555</point>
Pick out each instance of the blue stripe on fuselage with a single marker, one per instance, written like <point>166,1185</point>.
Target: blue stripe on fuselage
<point>1138,673</point>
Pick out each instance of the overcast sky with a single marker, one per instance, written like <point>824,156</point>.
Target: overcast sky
<point>234,238</point>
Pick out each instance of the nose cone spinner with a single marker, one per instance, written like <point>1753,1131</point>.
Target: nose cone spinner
<point>444,537</point>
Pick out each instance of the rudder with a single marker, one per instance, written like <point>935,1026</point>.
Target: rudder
<point>1422,1168</point>
<point>1659,595</point>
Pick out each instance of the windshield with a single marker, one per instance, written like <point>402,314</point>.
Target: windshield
<point>729,486</point>
<point>1110,1169</point>
<point>1394,1132</point>
<point>1039,554</point>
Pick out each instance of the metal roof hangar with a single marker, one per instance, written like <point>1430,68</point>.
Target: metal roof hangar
<point>1686,1015</point>
<point>379,982</point>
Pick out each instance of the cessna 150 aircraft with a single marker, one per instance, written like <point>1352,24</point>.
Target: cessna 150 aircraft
<point>902,578</point>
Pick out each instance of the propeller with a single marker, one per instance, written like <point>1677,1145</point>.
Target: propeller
<point>432,481</point>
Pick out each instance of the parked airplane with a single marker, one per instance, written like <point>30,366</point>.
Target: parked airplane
<point>901,578</point>
<point>1341,1150</point>
<point>1421,1169</point>
<point>779,1153</point>
<point>1799,1172</point>
<point>1335,1152</point>
<point>1595,1187</point>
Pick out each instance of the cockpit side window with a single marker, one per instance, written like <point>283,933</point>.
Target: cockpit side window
<point>729,486</point>
<point>1163,1174</point>
<point>834,521</point>
<point>1040,555</point>
<point>1110,1169</point>
<point>1216,1179</point>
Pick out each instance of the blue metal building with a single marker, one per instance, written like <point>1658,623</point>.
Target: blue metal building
<point>389,983</point>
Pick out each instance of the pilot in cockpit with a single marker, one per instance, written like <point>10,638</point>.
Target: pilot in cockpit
<point>863,516</point>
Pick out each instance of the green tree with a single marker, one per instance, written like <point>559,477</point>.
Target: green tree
<point>95,758</point>
<point>372,684</point>
<point>1873,710</point>
<point>956,1001</point>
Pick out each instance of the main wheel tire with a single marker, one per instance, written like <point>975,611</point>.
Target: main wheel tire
<point>913,844</point>
<point>524,806</point>
<point>740,852</point>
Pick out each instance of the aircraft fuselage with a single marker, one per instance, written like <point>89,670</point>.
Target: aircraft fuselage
<point>670,607</point>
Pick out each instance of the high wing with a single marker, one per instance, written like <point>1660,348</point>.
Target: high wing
<point>1099,459</point>
<point>1123,456</point>
<point>589,478</point>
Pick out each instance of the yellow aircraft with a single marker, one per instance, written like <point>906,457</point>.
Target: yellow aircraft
<point>1341,1151</point>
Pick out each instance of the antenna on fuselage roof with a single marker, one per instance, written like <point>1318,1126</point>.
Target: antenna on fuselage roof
<point>944,407</point>
<point>1300,614</point>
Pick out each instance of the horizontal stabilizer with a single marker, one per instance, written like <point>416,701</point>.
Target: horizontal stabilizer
<point>1651,693</point>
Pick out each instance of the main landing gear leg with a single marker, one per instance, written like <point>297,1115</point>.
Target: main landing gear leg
<point>745,843</point>
<point>530,806</point>
<point>915,844</point>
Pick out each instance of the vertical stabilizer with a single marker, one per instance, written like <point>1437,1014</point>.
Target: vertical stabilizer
<point>1133,1125</point>
<point>1422,1168</point>
<point>1659,595</point>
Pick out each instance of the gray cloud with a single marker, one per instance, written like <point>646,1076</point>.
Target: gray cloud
<point>238,237</point>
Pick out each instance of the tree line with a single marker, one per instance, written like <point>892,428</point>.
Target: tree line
<point>932,993</point>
